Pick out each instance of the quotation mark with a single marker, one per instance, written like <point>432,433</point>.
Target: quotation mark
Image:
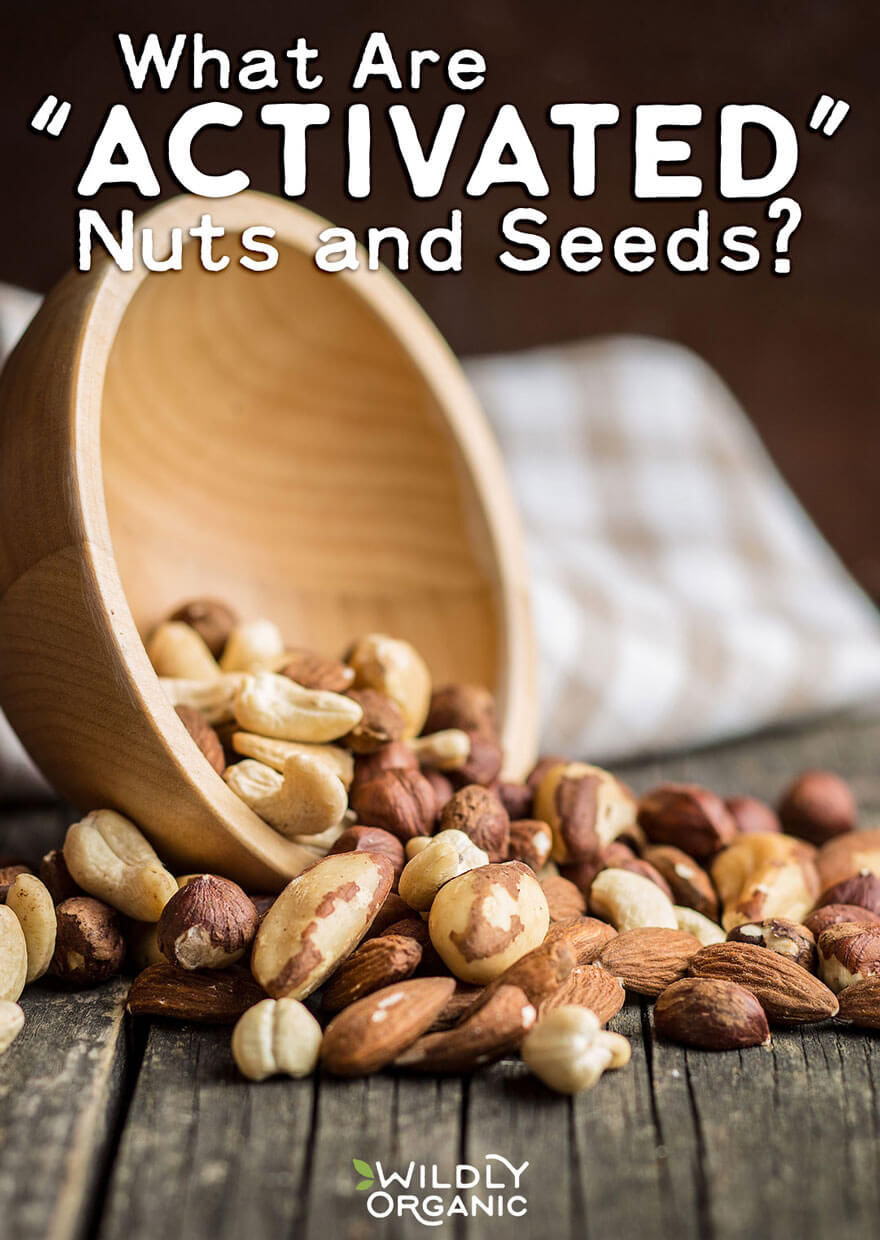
<point>51,116</point>
<point>827,115</point>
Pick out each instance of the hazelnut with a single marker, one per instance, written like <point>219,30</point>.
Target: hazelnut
<point>687,817</point>
<point>89,946</point>
<point>483,764</point>
<point>209,924</point>
<point>57,878</point>
<point>586,808</point>
<point>848,854</point>
<point>468,707</point>
<point>583,872</point>
<point>689,883</point>
<point>517,799</point>
<point>480,815</point>
<point>398,801</point>
<point>394,757</point>
<point>817,806</point>
<point>372,840</point>
<point>443,789</point>
<point>786,938</point>
<point>313,671</point>
<point>752,815</point>
<point>712,1014</point>
<point>833,914</point>
<point>862,890</point>
<point>203,735</point>
<point>530,841</point>
<point>381,723</point>
<point>849,952</point>
<point>211,619</point>
<point>564,900</point>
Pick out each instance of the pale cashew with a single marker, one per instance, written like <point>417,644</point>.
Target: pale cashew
<point>214,699</point>
<point>275,753</point>
<point>569,1050</point>
<point>448,854</point>
<point>110,859</point>
<point>305,799</point>
<point>32,904</point>
<point>252,646</point>
<point>445,751</point>
<point>276,1036</point>
<point>274,706</point>
<point>630,901</point>
<point>395,668</point>
<point>11,1023</point>
<point>701,927</point>
<point>13,955</point>
<point>177,650</point>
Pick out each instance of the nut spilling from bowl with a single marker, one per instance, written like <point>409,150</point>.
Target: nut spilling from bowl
<point>449,916</point>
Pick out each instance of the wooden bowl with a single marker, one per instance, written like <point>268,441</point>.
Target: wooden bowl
<point>301,444</point>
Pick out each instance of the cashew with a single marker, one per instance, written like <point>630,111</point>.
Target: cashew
<point>111,860</point>
<point>32,904</point>
<point>13,955</point>
<point>276,1036</point>
<point>177,650</point>
<point>630,901</point>
<point>765,875</point>
<point>274,706</point>
<point>11,1023</point>
<point>445,751</point>
<point>701,927</point>
<point>274,753</point>
<point>252,647</point>
<point>395,668</point>
<point>448,854</point>
<point>214,699</point>
<point>306,798</point>
<point>569,1050</point>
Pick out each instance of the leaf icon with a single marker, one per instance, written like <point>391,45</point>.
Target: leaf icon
<point>365,1184</point>
<point>363,1169</point>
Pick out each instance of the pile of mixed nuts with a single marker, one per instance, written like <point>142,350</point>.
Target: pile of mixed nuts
<point>449,917</point>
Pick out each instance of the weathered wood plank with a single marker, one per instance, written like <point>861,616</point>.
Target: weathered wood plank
<point>61,1090</point>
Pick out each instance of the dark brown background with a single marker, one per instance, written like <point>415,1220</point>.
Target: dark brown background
<point>800,352</point>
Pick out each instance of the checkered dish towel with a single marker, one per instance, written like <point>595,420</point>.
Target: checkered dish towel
<point>680,592</point>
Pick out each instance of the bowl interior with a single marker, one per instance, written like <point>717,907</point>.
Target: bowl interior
<point>268,439</point>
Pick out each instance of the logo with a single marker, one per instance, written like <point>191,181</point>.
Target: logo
<point>421,1191</point>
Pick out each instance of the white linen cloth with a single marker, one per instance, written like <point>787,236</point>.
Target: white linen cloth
<point>681,594</point>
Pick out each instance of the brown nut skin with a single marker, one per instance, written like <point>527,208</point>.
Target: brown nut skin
<point>206,996</point>
<point>862,890</point>
<point>564,899</point>
<point>484,762</point>
<point>541,767</point>
<point>834,914</point>
<point>376,963</point>
<point>649,959</point>
<point>787,993</point>
<point>517,799</point>
<point>687,817</point>
<point>396,756</point>
<point>637,865</point>
<point>480,815</point>
<point>8,875</point>
<point>788,938</point>
<point>586,808</point>
<point>313,671</point>
<point>203,735</point>
<point>89,946</point>
<point>468,707</point>
<point>848,854</point>
<point>393,909</point>
<point>381,724</point>
<point>368,1034</point>
<point>399,801</point>
<point>211,619</point>
<point>848,953</point>
<point>860,1003</point>
<point>582,872</point>
<point>752,815</point>
<point>56,876</point>
<point>711,1014</point>
<point>373,840</point>
<point>817,806</point>
<point>209,924</point>
<point>530,842</point>
<point>443,789</point>
<point>688,882</point>
<point>586,935</point>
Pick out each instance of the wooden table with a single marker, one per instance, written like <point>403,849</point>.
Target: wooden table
<point>128,1130</point>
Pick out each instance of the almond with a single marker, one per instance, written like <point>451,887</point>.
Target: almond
<point>564,899</point>
<point>378,962</point>
<point>587,935</point>
<point>210,996</point>
<point>371,1032</point>
<point>538,973</point>
<point>647,960</point>
<point>712,1014</point>
<point>482,1037</point>
<point>460,1001</point>
<point>860,1003</point>
<point>787,993</point>
<point>589,986</point>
